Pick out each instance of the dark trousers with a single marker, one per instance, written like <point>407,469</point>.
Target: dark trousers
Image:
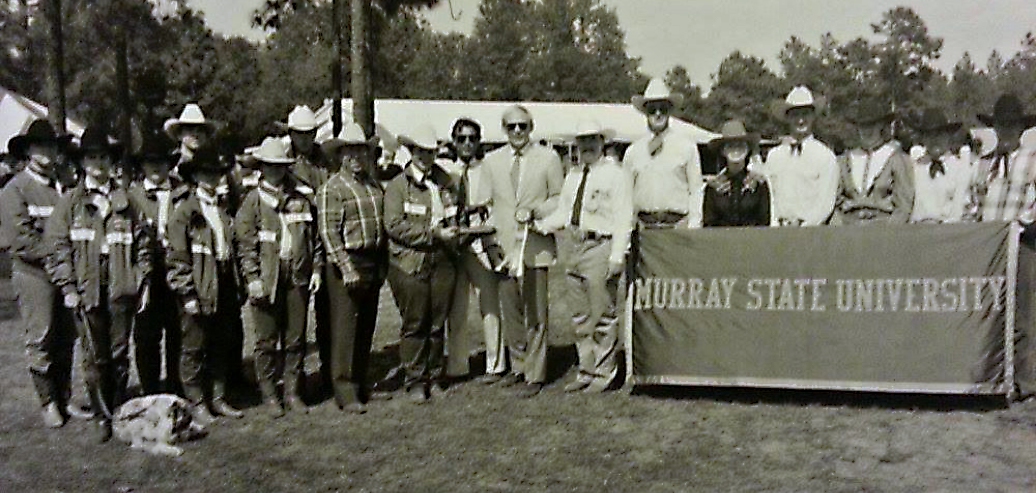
<point>283,322</point>
<point>159,319</point>
<point>323,311</point>
<point>354,316</point>
<point>105,332</point>
<point>49,333</point>
<point>208,345</point>
<point>523,310</point>
<point>424,303</point>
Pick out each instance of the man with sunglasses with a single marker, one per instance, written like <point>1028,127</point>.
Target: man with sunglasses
<point>666,168</point>
<point>525,182</point>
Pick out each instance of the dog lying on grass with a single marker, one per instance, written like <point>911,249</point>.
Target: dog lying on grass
<point>156,423</point>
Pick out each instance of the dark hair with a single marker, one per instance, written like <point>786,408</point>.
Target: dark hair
<point>466,122</point>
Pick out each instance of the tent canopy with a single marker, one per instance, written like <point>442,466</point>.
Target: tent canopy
<point>17,112</point>
<point>551,120</point>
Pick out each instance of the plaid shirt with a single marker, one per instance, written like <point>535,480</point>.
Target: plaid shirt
<point>351,217</point>
<point>996,195</point>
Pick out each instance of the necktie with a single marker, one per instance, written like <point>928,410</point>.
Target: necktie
<point>936,167</point>
<point>655,145</point>
<point>866,170</point>
<point>1000,164</point>
<point>516,171</point>
<point>463,199</point>
<point>796,148</point>
<point>577,207</point>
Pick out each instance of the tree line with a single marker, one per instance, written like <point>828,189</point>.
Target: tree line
<point>542,50</point>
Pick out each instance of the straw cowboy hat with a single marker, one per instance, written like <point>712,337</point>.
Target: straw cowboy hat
<point>272,151</point>
<point>351,135</point>
<point>933,120</point>
<point>301,119</point>
<point>799,97</point>
<point>734,131</point>
<point>1008,108</point>
<point>191,115</point>
<point>423,137</point>
<point>589,127</point>
<point>657,91</point>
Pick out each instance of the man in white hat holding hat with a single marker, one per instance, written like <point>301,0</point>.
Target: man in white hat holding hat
<point>421,225</point>
<point>352,214</point>
<point>665,166</point>
<point>803,172</point>
<point>525,181</point>
<point>596,213</point>
<point>281,259</point>
<point>309,165</point>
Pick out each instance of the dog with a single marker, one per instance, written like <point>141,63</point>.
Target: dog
<point>156,424</point>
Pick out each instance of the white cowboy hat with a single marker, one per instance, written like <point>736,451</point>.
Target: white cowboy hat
<point>301,119</point>
<point>191,115</point>
<point>272,151</point>
<point>588,127</point>
<point>657,91</point>
<point>423,137</point>
<point>799,97</point>
<point>351,135</point>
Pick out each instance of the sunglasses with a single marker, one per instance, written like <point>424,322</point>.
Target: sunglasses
<point>657,109</point>
<point>511,127</point>
<point>466,138</point>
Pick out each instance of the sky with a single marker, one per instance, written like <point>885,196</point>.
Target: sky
<point>699,34</point>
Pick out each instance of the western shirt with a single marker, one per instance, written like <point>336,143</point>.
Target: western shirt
<point>669,181</point>
<point>996,196</point>
<point>942,198</point>
<point>352,212</point>
<point>804,185</point>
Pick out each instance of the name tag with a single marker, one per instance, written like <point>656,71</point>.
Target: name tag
<point>81,234</point>
<point>451,211</point>
<point>267,236</point>
<point>298,217</point>
<point>419,209</point>
<point>40,210</point>
<point>119,238</point>
<point>200,249</point>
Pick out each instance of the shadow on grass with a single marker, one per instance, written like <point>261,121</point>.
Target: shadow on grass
<point>855,399</point>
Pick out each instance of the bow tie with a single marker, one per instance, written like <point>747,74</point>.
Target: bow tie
<point>936,167</point>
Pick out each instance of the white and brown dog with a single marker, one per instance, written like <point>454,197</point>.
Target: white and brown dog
<point>156,423</point>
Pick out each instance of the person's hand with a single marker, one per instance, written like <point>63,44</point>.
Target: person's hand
<point>314,282</point>
<point>71,300</point>
<point>615,267</point>
<point>255,290</point>
<point>445,234</point>
<point>522,216</point>
<point>350,279</point>
<point>192,308</point>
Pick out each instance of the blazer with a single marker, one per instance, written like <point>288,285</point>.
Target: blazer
<point>538,191</point>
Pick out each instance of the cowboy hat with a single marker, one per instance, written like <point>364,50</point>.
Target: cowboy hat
<point>734,131</point>
<point>798,97</point>
<point>871,112</point>
<point>206,157</point>
<point>351,135</point>
<point>657,90</point>
<point>1008,108</point>
<point>191,115</point>
<point>589,127</point>
<point>301,119</point>
<point>272,151</point>
<point>155,148</point>
<point>423,137</point>
<point>95,139</point>
<point>933,120</point>
<point>39,132</point>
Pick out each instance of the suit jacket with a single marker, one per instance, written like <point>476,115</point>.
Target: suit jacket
<point>538,190</point>
<point>887,198</point>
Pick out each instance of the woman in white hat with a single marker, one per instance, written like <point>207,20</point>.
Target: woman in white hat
<point>736,196</point>
<point>421,224</point>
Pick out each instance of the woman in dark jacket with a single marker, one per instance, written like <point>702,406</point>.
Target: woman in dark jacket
<point>736,196</point>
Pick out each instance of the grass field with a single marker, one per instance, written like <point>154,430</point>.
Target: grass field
<point>483,439</point>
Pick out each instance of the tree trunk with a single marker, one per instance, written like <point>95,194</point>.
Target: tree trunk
<point>336,69</point>
<point>56,68</point>
<point>360,85</point>
<point>122,89</point>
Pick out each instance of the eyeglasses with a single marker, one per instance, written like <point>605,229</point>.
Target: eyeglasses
<point>466,138</point>
<point>511,127</point>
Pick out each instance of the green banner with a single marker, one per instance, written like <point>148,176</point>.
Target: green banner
<point>919,308</point>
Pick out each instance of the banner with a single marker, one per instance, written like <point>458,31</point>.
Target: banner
<point>914,308</point>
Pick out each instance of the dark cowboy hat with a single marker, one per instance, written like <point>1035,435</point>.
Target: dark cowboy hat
<point>933,120</point>
<point>206,157</point>
<point>734,131</point>
<point>1008,108</point>
<point>871,112</point>
<point>39,132</point>
<point>95,139</point>
<point>155,148</point>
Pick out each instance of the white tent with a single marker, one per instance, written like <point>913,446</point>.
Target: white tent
<point>17,112</point>
<point>551,120</point>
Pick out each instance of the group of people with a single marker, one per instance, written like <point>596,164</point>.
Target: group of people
<point>181,245</point>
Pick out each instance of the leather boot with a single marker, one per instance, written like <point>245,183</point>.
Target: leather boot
<point>292,397</point>
<point>271,404</point>
<point>220,406</point>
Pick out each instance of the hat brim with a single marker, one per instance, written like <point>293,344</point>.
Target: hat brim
<point>275,161</point>
<point>780,107</point>
<point>284,126</point>
<point>333,145</point>
<point>751,139</point>
<point>639,102</point>
<point>873,120</point>
<point>173,126</point>
<point>991,120</point>
<point>607,133</point>
<point>17,146</point>
<point>947,127</point>
<point>406,140</point>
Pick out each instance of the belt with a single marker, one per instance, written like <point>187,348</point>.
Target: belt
<point>661,217</point>
<point>583,235</point>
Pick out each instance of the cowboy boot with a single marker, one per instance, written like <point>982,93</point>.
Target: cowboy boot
<point>219,404</point>
<point>292,398</point>
<point>270,402</point>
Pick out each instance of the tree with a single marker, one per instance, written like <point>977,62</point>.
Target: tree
<point>679,82</point>
<point>743,88</point>
<point>905,56</point>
